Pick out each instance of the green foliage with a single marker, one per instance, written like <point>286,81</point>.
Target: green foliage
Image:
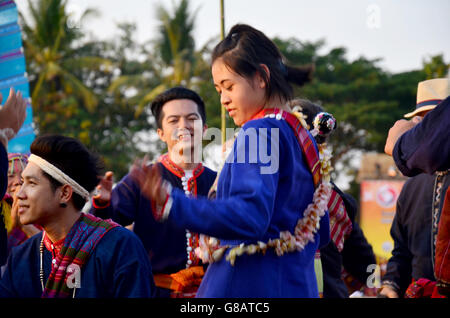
<point>99,91</point>
<point>435,67</point>
<point>69,85</point>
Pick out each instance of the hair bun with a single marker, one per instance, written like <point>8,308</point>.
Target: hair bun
<point>324,123</point>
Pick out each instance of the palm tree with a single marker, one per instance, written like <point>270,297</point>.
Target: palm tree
<point>176,42</point>
<point>174,58</point>
<point>53,60</point>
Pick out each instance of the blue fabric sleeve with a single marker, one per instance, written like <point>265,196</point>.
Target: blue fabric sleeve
<point>124,203</point>
<point>124,259</point>
<point>426,147</point>
<point>245,215</point>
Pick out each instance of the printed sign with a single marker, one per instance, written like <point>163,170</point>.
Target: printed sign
<point>378,202</point>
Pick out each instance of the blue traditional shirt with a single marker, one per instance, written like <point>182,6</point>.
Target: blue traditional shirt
<point>426,147</point>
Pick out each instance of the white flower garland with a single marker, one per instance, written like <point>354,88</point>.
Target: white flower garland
<point>209,249</point>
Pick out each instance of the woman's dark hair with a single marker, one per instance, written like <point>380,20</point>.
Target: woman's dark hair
<point>244,50</point>
<point>71,157</point>
<point>178,92</point>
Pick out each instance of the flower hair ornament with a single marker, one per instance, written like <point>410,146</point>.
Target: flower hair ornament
<point>324,123</point>
<point>210,250</point>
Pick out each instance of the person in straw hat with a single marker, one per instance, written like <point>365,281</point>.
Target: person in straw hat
<point>426,148</point>
<point>410,271</point>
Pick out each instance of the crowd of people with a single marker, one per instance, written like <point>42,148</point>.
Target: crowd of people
<point>255,228</point>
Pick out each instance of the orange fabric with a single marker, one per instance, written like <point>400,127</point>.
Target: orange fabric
<point>184,280</point>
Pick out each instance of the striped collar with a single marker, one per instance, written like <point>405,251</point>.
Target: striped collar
<point>177,170</point>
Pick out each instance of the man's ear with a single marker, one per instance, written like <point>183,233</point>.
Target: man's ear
<point>161,135</point>
<point>66,193</point>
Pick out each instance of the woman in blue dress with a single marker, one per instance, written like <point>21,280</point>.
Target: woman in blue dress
<point>268,219</point>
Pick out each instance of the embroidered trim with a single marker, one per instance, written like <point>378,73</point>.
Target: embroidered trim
<point>437,196</point>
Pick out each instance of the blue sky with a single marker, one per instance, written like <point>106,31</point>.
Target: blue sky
<point>401,32</point>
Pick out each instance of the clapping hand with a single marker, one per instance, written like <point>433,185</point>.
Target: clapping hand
<point>150,181</point>
<point>12,115</point>
<point>400,127</point>
<point>104,189</point>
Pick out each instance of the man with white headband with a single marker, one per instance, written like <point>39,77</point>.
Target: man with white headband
<point>77,255</point>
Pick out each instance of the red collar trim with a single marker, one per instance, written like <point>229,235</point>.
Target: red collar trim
<point>53,248</point>
<point>177,170</point>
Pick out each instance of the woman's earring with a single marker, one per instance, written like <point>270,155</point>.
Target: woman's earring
<point>63,205</point>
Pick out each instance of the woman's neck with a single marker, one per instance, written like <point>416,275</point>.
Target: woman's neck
<point>276,102</point>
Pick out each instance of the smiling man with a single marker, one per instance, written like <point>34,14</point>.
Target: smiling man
<point>180,117</point>
<point>77,255</point>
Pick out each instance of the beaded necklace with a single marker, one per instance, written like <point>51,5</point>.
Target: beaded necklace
<point>41,265</point>
<point>189,185</point>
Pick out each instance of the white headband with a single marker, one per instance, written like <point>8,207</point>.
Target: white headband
<point>59,175</point>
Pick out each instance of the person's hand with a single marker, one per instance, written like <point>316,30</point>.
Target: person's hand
<point>12,114</point>
<point>149,180</point>
<point>400,127</point>
<point>104,189</point>
<point>388,292</point>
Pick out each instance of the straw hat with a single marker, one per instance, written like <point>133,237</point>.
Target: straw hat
<point>429,94</point>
